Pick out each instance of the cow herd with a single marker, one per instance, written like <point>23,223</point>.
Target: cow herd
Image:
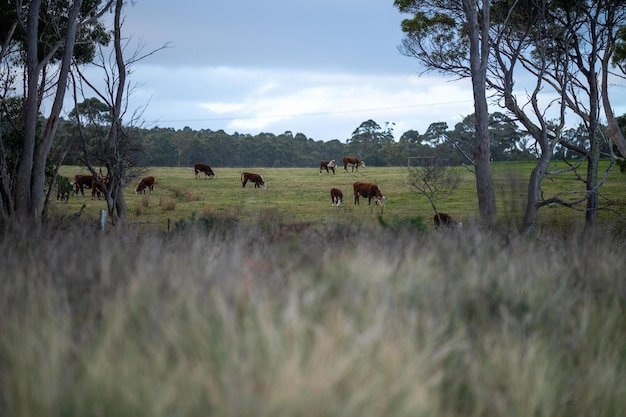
<point>361,189</point>
<point>368,190</point>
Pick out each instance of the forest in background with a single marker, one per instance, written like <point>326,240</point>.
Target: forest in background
<point>373,143</point>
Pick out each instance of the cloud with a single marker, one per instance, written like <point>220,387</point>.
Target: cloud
<point>322,105</point>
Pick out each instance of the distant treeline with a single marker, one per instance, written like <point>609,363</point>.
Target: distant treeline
<point>169,147</point>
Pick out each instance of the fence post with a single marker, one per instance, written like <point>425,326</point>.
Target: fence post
<point>103,218</point>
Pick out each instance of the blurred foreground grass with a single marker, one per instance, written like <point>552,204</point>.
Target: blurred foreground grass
<point>234,319</point>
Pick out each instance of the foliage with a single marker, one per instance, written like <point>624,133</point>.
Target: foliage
<point>434,180</point>
<point>184,147</point>
<point>41,40</point>
<point>53,20</point>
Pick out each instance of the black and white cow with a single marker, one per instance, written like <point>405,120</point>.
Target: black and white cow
<point>328,165</point>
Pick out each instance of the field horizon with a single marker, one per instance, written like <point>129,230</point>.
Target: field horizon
<point>303,195</point>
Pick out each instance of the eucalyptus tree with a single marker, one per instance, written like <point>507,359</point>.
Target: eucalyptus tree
<point>452,37</point>
<point>368,139</point>
<point>566,46</point>
<point>505,137</point>
<point>41,39</point>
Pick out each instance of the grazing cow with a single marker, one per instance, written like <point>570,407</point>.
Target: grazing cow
<point>445,220</point>
<point>81,182</point>
<point>255,178</point>
<point>336,196</point>
<point>198,168</point>
<point>368,190</point>
<point>99,189</point>
<point>88,181</point>
<point>332,164</point>
<point>353,162</point>
<point>147,182</point>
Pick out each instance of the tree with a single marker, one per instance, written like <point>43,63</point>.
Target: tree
<point>504,137</point>
<point>566,46</point>
<point>45,34</point>
<point>453,37</point>
<point>433,180</point>
<point>367,140</point>
<point>119,147</point>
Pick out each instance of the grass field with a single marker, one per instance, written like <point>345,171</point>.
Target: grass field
<point>302,195</point>
<point>257,316</point>
<point>342,320</point>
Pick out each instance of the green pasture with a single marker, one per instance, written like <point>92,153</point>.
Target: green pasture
<point>302,195</point>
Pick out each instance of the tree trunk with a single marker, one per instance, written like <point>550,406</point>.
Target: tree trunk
<point>479,56</point>
<point>534,191</point>
<point>615,133</point>
<point>591,214</point>
<point>25,164</point>
<point>43,149</point>
<point>31,174</point>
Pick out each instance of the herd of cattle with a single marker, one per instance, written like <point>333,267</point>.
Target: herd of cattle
<point>361,189</point>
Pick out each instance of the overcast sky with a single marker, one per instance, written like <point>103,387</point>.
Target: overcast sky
<point>317,67</point>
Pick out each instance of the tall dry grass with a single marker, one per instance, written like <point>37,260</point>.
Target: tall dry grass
<point>224,318</point>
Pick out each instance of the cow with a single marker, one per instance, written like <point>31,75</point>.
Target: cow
<point>445,220</point>
<point>97,186</point>
<point>147,182</point>
<point>332,164</point>
<point>198,168</point>
<point>353,162</point>
<point>99,190</point>
<point>255,178</point>
<point>81,182</point>
<point>368,190</point>
<point>336,196</point>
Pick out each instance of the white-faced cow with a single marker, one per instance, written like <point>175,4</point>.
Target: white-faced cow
<point>445,220</point>
<point>252,177</point>
<point>198,168</point>
<point>148,183</point>
<point>368,190</point>
<point>328,165</point>
<point>336,196</point>
<point>353,162</point>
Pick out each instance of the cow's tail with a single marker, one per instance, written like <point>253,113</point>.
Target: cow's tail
<point>242,178</point>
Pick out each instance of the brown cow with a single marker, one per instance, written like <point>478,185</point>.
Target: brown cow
<point>147,182</point>
<point>352,161</point>
<point>332,164</point>
<point>198,168</point>
<point>368,190</point>
<point>255,178</point>
<point>81,182</point>
<point>445,220</point>
<point>99,190</point>
<point>336,196</point>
